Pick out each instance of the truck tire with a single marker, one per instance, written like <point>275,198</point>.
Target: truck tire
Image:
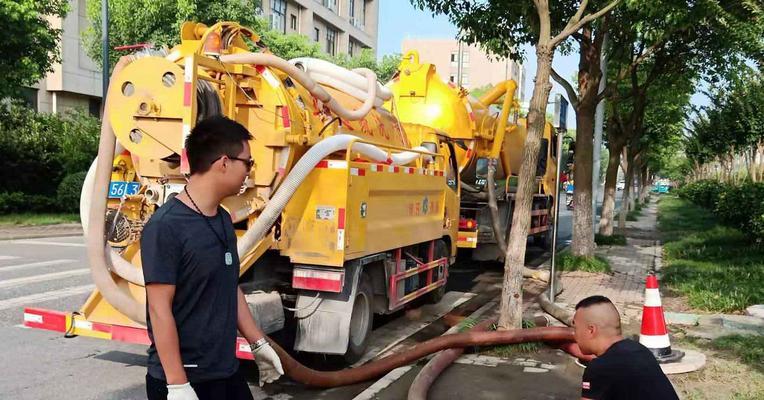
<point>441,250</point>
<point>361,320</point>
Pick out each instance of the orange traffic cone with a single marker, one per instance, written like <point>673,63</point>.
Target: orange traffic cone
<point>653,333</point>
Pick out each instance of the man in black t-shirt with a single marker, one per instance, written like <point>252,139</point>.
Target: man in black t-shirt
<point>623,369</point>
<point>191,268</point>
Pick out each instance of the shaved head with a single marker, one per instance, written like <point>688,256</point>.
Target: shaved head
<point>597,324</point>
<point>603,315</point>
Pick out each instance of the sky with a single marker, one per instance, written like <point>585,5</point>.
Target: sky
<point>398,20</point>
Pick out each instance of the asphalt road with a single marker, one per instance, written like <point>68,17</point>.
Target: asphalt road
<point>52,273</point>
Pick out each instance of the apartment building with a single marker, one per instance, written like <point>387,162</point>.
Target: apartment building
<point>466,65</point>
<point>339,26</point>
<point>75,82</point>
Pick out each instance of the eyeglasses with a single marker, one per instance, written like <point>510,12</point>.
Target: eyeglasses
<point>248,162</point>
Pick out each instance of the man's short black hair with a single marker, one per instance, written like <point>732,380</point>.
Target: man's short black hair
<point>212,138</point>
<point>592,300</point>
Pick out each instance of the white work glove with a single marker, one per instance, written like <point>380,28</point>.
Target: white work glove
<point>181,392</point>
<point>268,363</point>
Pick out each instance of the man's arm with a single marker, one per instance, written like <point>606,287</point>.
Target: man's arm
<point>267,360</point>
<point>245,321</point>
<point>159,297</point>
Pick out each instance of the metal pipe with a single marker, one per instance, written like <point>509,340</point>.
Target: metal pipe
<point>599,117</point>
<point>311,377</point>
<point>552,270</point>
<point>104,53</point>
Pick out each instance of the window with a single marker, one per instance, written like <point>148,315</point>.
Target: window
<point>330,4</point>
<point>452,78</point>
<point>453,59</point>
<point>351,9</point>
<point>465,57</point>
<point>465,79</point>
<point>293,22</point>
<point>331,41</point>
<point>317,37</point>
<point>363,12</point>
<point>94,106</point>
<point>278,15</point>
<point>352,47</point>
<point>29,97</point>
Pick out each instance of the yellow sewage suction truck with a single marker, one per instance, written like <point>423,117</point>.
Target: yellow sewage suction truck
<point>479,134</point>
<point>347,212</point>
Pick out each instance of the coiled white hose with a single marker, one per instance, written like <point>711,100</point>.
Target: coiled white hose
<point>301,170</point>
<point>115,262</point>
<point>317,68</point>
<point>312,86</point>
<point>118,296</point>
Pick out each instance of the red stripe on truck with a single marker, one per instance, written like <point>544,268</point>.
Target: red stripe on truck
<point>341,219</point>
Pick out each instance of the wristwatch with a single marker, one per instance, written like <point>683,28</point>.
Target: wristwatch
<point>258,344</point>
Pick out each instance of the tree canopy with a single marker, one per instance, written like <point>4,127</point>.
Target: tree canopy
<point>158,22</point>
<point>30,46</point>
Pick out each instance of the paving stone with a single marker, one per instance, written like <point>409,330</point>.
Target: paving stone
<point>756,310</point>
<point>527,363</point>
<point>535,370</point>
<point>681,318</point>
<point>743,323</point>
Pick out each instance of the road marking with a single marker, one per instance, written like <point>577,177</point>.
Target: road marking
<point>36,264</point>
<point>394,332</point>
<point>43,277</point>
<point>4,258</point>
<point>385,381</point>
<point>46,243</point>
<point>46,296</point>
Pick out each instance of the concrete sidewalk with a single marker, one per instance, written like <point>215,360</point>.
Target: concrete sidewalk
<point>630,264</point>
<point>11,232</point>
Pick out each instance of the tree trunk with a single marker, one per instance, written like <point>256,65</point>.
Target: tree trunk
<point>589,75</point>
<point>643,187</point>
<point>611,179</point>
<point>510,316</point>
<point>626,199</point>
<point>583,230</point>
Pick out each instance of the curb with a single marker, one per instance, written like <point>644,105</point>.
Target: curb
<point>733,323</point>
<point>41,235</point>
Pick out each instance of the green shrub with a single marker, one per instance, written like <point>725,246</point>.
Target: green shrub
<point>68,194</point>
<point>612,240</point>
<point>569,262</point>
<point>742,207</point>
<point>704,193</point>
<point>37,150</point>
<point>17,202</point>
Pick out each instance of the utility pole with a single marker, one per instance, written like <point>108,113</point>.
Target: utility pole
<point>104,49</point>
<point>561,124</point>
<point>599,117</point>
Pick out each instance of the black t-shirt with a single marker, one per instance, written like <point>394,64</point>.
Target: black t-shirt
<point>627,370</point>
<point>179,248</point>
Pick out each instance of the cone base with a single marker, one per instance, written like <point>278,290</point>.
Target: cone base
<point>667,355</point>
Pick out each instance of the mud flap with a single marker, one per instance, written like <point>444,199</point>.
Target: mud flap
<point>267,310</point>
<point>323,319</point>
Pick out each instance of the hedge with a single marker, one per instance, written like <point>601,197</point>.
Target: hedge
<point>739,206</point>
<point>37,151</point>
